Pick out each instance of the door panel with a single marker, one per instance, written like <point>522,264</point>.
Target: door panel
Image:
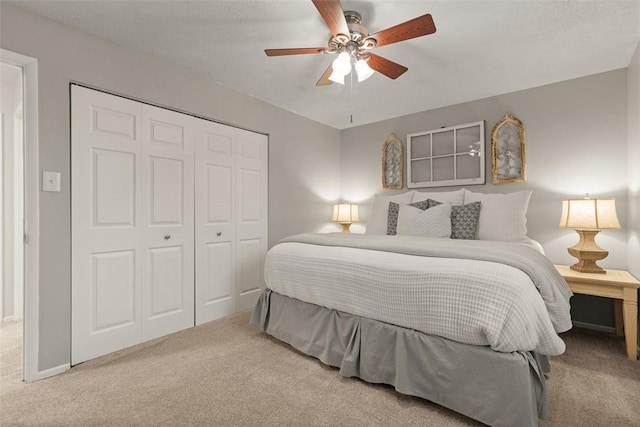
<point>167,191</point>
<point>219,185</point>
<point>166,132</point>
<point>218,140</point>
<point>114,123</point>
<point>220,285</point>
<point>215,228</point>
<point>251,216</point>
<point>106,207</point>
<point>166,280</point>
<point>114,188</point>
<point>112,290</point>
<point>250,266</point>
<point>168,234</point>
<point>250,195</point>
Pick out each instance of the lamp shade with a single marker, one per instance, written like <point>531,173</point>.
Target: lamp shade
<point>342,64</point>
<point>341,67</point>
<point>589,214</point>
<point>336,77</point>
<point>345,213</point>
<point>363,70</point>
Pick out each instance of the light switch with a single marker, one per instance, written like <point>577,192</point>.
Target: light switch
<point>51,181</point>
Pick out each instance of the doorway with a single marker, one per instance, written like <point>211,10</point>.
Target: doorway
<point>11,218</point>
<point>19,218</point>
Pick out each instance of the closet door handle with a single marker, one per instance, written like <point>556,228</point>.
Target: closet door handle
<point>219,233</point>
<point>167,236</point>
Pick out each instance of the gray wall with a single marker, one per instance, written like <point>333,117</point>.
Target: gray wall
<point>633,114</point>
<point>304,162</point>
<point>576,143</point>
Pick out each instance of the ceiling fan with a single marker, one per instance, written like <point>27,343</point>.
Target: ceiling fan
<point>351,41</point>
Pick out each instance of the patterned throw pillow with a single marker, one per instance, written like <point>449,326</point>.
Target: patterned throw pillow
<point>464,221</point>
<point>394,208</point>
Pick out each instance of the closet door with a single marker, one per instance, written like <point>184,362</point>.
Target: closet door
<point>231,219</point>
<point>167,222</point>
<point>132,223</point>
<point>148,186</point>
<point>215,221</point>
<point>251,216</point>
<point>106,212</point>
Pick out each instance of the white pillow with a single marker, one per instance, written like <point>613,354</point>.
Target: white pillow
<point>502,216</point>
<point>432,222</point>
<point>380,209</point>
<point>456,198</point>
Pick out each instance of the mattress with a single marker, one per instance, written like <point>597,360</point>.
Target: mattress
<point>497,294</point>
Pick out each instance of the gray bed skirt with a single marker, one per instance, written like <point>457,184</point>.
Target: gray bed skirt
<point>499,389</point>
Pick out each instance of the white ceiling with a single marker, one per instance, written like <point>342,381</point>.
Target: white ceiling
<point>480,49</point>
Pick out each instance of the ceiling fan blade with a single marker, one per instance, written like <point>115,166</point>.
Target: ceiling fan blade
<point>324,79</point>
<point>417,27</point>
<point>386,67</point>
<point>332,13</point>
<point>295,51</point>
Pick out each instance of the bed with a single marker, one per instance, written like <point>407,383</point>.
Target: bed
<point>467,324</point>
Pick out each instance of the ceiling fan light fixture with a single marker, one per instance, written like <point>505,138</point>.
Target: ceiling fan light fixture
<point>352,41</point>
<point>342,64</point>
<point>337,77</point>
<point>363,70</point>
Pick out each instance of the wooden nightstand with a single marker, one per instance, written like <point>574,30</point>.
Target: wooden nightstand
<point>617,284</point>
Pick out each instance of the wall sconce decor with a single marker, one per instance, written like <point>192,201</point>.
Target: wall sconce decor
<point>345,214</point>
<point>588,217</point>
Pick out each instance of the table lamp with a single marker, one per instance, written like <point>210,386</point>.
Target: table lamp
<point>345,214</point>
<point>588,217</point>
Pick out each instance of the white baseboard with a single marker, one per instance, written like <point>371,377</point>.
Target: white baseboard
<point>595,327</point>
<point>52,371</point>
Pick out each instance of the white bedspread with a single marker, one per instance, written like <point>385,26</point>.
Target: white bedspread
<point>469,301</point>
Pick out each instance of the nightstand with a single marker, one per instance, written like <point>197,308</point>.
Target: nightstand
<point>617,284</point>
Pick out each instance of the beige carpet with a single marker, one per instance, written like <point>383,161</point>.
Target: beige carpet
<point>228,373</point>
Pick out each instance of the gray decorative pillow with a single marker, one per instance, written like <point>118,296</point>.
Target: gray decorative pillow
<point>392,217</point>
<point>464,221</point>
<point>432,222</point>
<point>431,203</point>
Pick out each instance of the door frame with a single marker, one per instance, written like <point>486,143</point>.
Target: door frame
<point>30,338</point>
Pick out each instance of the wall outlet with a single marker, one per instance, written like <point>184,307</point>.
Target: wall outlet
<point>51,181</point>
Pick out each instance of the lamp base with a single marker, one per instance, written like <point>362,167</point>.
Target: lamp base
<point>588,252</point>
<point>345,227</point>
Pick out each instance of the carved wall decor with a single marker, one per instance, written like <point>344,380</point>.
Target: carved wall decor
<point>392,163</point>
<point>508,159</point>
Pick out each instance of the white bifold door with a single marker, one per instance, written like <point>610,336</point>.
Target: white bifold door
<point>231,212</point>
<point>139,236</point>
